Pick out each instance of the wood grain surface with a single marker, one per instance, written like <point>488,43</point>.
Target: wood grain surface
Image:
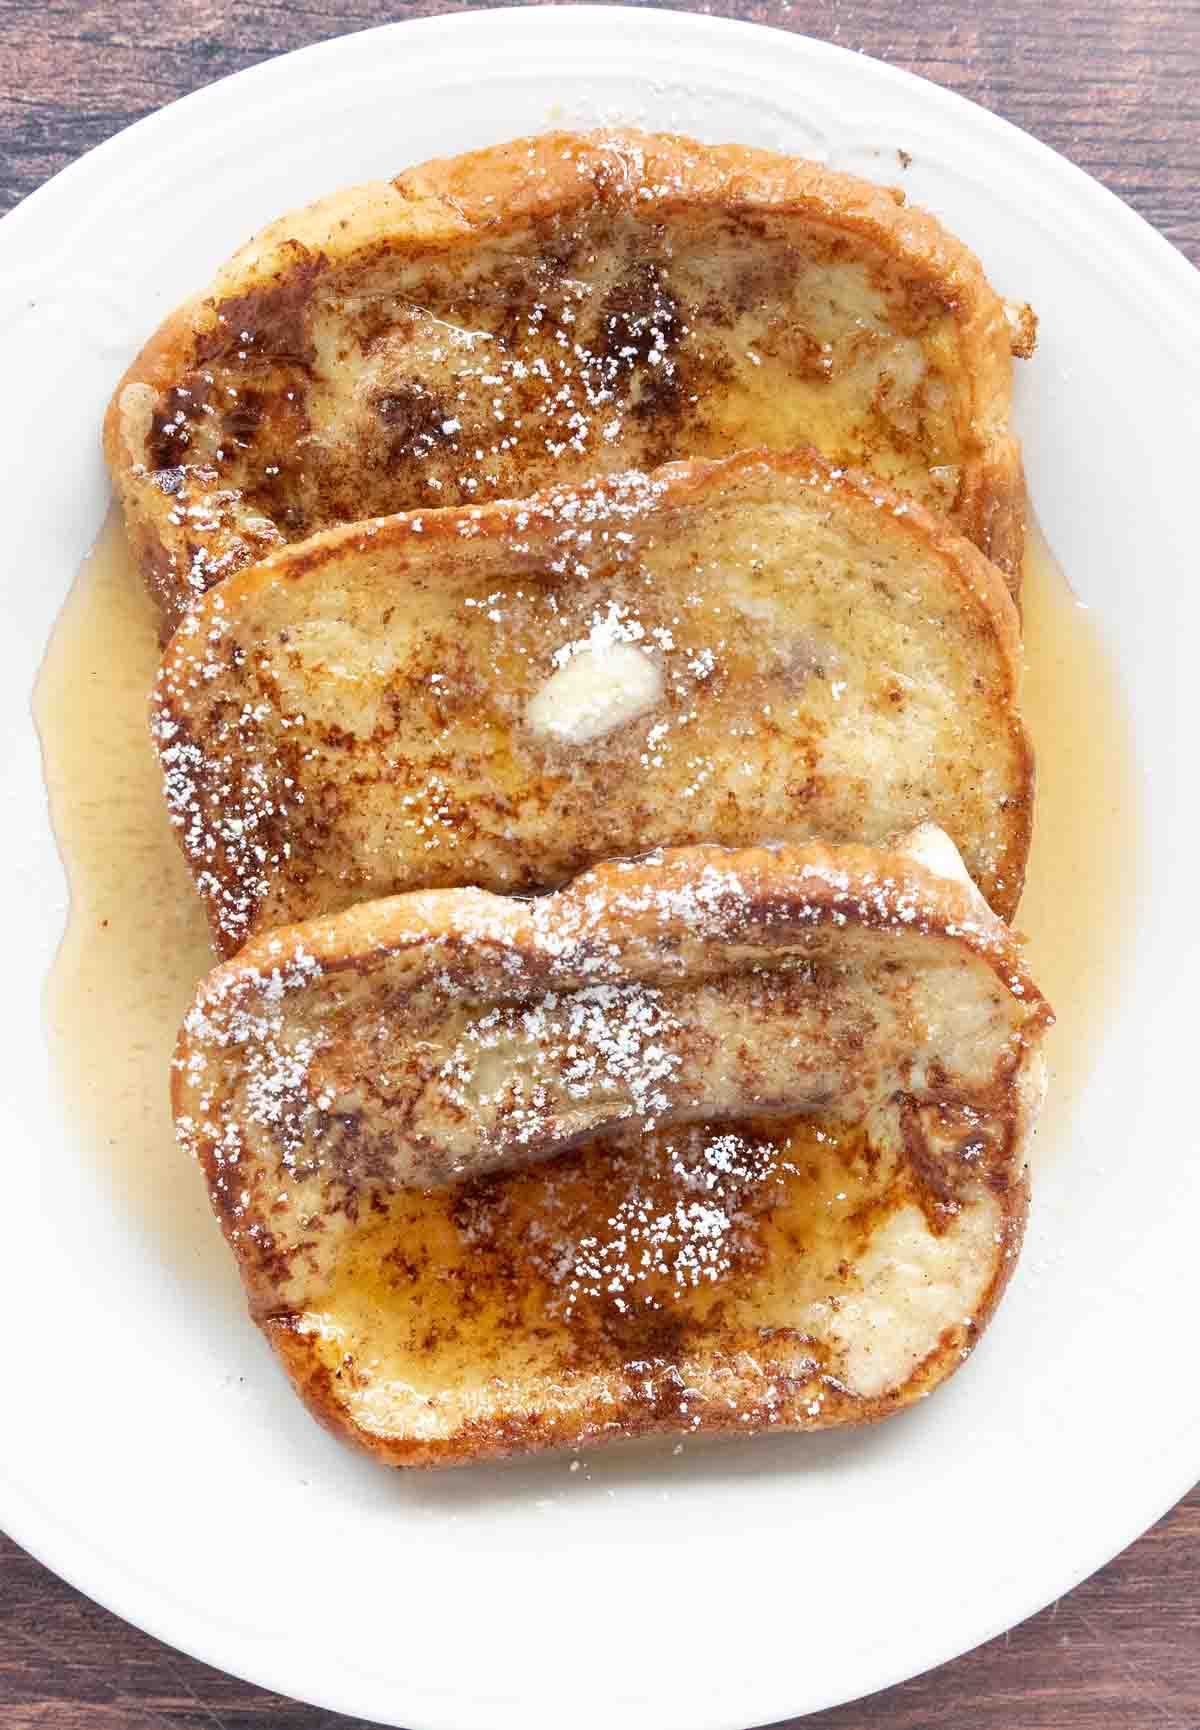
<point>1115,87</point>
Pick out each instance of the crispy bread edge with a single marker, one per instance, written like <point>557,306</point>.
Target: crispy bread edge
<point>981,583</point>
<point>490,191</point>
<point>844,884</point>
<point>482,1441</point>
<point>556,172</point>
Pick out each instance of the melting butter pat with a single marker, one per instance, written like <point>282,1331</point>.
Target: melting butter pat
<point>597,690</point>
<point>933,848</point>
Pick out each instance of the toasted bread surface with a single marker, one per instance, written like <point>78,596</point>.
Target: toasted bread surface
<point>756,648</point>
<point>775,1103</point>
<point>552,308</point>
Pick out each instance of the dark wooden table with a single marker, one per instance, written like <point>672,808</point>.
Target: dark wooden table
<point>1116,87</point>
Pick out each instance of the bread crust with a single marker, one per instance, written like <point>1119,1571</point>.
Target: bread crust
<point>758,906</point>
<point>531,191</point>
<point>296,790</point>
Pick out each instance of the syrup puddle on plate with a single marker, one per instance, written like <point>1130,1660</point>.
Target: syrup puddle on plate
<point>136,941</point>
<point>1081,885</point>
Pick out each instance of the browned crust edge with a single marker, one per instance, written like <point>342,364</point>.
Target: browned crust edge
<point>804,886</point>
<point>158,366</point>
<point>980,583</point>
<point>875,888</point>
<point>556,173</point>
<point>489,192</point>
<point>592,1425</point>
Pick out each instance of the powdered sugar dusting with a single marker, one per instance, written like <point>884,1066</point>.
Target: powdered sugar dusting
<point>382,720</point>
<point>651,1252</point>
<point>243,1019</point>
<point>667,992</point>
<point>602,1042</point>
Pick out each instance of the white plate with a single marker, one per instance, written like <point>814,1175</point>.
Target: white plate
<point>728,1586</point>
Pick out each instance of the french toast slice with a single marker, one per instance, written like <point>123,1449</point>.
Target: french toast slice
<point>709,1141</point>
<point>553,308</point>
<point>756,647</point>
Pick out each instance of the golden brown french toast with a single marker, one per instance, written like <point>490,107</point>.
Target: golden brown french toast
<point>755,648</point>
<point>770,1106</point>
<point>553,308</point>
